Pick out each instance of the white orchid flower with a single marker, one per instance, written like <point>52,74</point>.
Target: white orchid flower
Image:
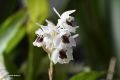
<point>39,41</point>
<point>65,21</point>
<point>62,55</point>
<point>65,39</point>
<point>43,37</point>
<point>58,39</point>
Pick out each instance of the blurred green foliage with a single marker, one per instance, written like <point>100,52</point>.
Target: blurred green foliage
<point>98,20</point>
<point>92,75</point>
<point>9,29</point>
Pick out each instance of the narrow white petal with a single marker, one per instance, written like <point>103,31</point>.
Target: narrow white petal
<point>76,35</point>
<point>55,56</point>
<point>47,21</point>
<point>61,45</point>
<point>50,24</point>
<point>72,30</point>
<point>66,14</point>
<point>57,41</point>
<point>59,24</point>
<point>69,28</point>
<point>45,29</point>
<point>69,54</point>
<point>56,12</point>
<point>77,27</point>
<point>39,32</point>
<point>48,42</point>
<point>37,44</point>
<point>64,32</point>
<point>66,25</point>
<point>63,61</point>
<point>60,61</point>
<point>66,61</point>
<point>72,41</point>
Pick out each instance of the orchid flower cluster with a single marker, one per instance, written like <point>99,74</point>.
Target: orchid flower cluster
<point>58,40</point>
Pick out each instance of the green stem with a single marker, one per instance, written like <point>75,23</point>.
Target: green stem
<point>51,70</point>
<point>30,67</point>
<point>1,59</point>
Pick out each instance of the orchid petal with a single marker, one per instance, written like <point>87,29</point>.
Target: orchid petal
<point>72,41</point>
<point>55,56</point>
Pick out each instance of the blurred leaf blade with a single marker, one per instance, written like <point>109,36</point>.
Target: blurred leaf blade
<point>93,75</point>
<point>9,29</point>
<point>37,9</point>
<point>14,41</point>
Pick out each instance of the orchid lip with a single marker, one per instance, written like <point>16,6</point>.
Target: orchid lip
<point>69,23</point>
<point>65,39</point>
<point>62,54</point>
<point>39,39</point>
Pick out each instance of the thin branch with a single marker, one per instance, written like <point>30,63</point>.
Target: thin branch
<point>111,69</point>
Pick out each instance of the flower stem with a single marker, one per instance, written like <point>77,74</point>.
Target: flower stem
<point>50,72</point>
<point>51,68</point>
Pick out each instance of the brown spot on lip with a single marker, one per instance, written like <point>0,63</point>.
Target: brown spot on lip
<point>62,54</point>
<point>69,23</point>
<point>39,39</point>
<point>65,39</point>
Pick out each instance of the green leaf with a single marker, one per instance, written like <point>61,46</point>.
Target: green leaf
<point>93,75</point>
<point>16,39</point>
<point>9,29</point>
<point>37,9</point>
